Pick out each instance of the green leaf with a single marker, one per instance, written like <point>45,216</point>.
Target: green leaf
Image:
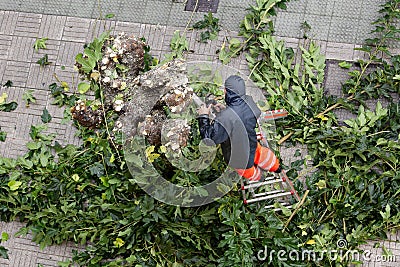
<point>234,43</point>
<point>40,44</point>
<point>28,97</point>
<point>3,252</point>
<point>118,242</point>
<point>122,68</point>
<point>75,177</point>
<point>3,98</point>
<point>321,184</point>
<point>247,24</point>
<point>179,44</point>
<point>131,259</point>
<point>8,84</point>
<point>44,61</point>
<point>83,87</point>
<point>64,263</point>
<point>3,136</point>
<point>97,169</point>
<point>345,65</point>
<point>362,120</point>
<point>25,163</point>
<point>87,64</point>
<point>8,107</point>
<point>4,236</point>
<point>386,215</point>
<point>14,185</point>
<point>34,145</point>
<point>46,117</point>
<point>109,16</point>
<point>44,159</point>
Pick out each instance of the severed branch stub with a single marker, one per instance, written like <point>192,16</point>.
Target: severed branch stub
<point>158,93</point>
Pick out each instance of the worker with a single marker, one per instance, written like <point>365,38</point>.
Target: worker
<point>234,128</point>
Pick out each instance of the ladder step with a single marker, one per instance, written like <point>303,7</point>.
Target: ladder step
<point>274,114</point>
<point>248,201</point>
<point>268,193</point>
<point>266,182</point>
<point>279,209</point>
<point>267,178</point>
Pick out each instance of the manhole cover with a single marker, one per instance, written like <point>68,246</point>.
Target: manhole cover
<point>202,6</point>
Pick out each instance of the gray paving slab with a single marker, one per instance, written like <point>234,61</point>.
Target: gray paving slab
<point>27,25</point>
<point>131,11</point>
<point>5,45</point>
<point>288,24</point>
<point>8,22</point>
<point>320,8</point>
<point>76,29</point>
<point>157,12</point>
<point>320,26</point>
<point>17,72</point>
<point>52,27</point>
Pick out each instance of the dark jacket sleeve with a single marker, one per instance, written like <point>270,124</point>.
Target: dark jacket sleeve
<point>212,130</point>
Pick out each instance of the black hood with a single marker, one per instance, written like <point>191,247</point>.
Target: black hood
<point>235,84</point>
<point>236,94</point>
<point>235,89</point>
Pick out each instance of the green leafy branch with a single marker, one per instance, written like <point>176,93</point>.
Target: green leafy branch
<point>210,27</point>
<point>256,22</point>
<point>179,44</point>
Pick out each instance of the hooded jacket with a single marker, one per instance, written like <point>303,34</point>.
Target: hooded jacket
<point>234,127</point>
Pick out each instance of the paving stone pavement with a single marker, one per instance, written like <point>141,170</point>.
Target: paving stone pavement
<point>339,26</point>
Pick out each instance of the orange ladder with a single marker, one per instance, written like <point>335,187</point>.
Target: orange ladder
<point>275,188</point>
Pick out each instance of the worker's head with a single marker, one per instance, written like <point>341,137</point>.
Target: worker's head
<point>235,84</point>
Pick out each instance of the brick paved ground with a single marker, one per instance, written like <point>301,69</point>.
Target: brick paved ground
<point>338,26</point>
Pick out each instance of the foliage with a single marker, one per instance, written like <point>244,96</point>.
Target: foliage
<point>40,43</point>
<point>3,136</point>
<point>345,65</point>
<point>44,61</point>
<point>7,107</point>
<point>8,84</point>
<point>60,95</point>
<point>3,250</point>
<point>46,117</point>
<point>257,21</point>
<point>179,44</point>
<point>92,54</point>
<point>305,27</point>
<point>210,28</point>
<point>109,16</point>
<point>149,60</point>
<point>28,97</point>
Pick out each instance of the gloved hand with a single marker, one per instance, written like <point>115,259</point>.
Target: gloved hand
<point>204,110</point>
<point>219,107</point>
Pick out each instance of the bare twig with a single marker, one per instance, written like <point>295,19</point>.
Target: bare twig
<point>295,211</point>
